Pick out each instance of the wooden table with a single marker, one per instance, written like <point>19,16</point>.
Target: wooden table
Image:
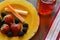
<point>44,24</point>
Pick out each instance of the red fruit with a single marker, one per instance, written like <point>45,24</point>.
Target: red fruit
<point>15,28</point>
<point>5,28</point>
<point>8,19</point>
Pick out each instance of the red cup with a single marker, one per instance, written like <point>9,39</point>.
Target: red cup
<point>46,7</point>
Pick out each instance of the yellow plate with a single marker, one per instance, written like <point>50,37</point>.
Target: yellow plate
<point>32,18</point>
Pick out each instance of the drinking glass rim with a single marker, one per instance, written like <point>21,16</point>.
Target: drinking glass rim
<point>47,2</point>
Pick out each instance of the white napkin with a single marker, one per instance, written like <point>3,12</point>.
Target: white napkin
<point>55,28</point>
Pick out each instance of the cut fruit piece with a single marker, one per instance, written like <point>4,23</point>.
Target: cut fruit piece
<point>15,28</point>
<point>32,18</point>
<point>5,28</point>
<point>8,19</point>
<point>19,11</point>
<point>15,13</point>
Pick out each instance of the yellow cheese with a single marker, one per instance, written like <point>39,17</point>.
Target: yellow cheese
<point>32,18</point>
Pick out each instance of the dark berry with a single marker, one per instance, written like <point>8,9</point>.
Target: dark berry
<point>10,34</point>
<point>1,23</point>
<point>21,33</point>
<point>17,20</point>
<point>3,14</point>
<point>0,20</point>
<point>25,25</point>
<point>24,29</point>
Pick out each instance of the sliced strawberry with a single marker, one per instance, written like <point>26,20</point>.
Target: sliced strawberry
<point>8,19</point>
<point>15,28</point>
<point>5,28</point>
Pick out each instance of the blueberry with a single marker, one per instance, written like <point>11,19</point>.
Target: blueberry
<point>24,29</point>
<point>25,25</point>
<point>0,20</point>
<point>17,20</point>
<point>10,34</point>
<point>21,33</point>
<point>1,23</point>
<point>3,14</point>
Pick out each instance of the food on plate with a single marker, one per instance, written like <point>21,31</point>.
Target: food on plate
<point>19,11</point>
<point>19,21</point>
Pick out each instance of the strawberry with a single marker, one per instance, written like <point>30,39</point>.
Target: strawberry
<point>5,28</point>
<point>15,28</point>
<point>8,19</point>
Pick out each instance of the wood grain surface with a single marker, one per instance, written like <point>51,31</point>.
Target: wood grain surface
<point>44,24</point>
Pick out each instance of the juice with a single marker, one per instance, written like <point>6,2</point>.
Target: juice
<point>46,7</point>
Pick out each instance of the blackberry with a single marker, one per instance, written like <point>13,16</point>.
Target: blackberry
<point>3,14</point>
<point>1,23</point>
<point>10,34</point>
<point>0,20</point>
<point>25,25</point>
<point>17,20</point>
<point>24,29</point>
<point>21,33</point>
